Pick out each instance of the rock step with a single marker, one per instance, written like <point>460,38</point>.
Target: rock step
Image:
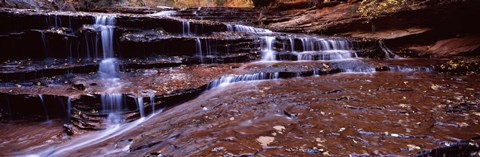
<point>287,42</point>
<point>18,20</point>
<point>60,34</point>
<point>86,109</point>
<point>28,71</point>
<point>323,55</point>
<point>135,45</point>
<point>242,15</point>
<point>59,43</point>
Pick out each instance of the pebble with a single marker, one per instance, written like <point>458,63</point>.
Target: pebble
<point>279,128</point>
<point>265,140</point>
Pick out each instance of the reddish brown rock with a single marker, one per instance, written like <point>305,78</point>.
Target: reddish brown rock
<point>418,24</point>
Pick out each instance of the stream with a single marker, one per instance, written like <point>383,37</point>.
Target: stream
<point>178,83</point>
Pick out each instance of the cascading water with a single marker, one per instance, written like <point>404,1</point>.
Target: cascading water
<point>313,48</point>
<point>106,24</point>
<point>304,46</point>
<point>152,102</point>
<point>112,104</point>
<point>246,29</point>
<point>388,53</point>
<point>229,79</point>
<point>45,109</point>
<point>109,70</point>
<point>69,108</point>
<point>165,13</point>
<point>268,54</point>
<point>45,44</point>
<point>198,49</point>
<point>140,106</point>
<point>186,28</point>
<point>205,47</point>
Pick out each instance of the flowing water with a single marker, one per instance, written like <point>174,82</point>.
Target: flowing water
<point>198,49</point>
<point>112,103</point>
<point>186,28</point>
<point>45,109</point>
<point>106,25</point>
<point>236,86</point>
<point>246,29</point>
<point>165,13</point>
<point>268,54</point>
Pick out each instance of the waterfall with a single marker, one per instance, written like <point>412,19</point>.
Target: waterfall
<point>186,28</point>
<point>229,27</point>
<point>106,24</point>
<point>388,53</point>
<point>109,69</point>
<point>152,102</point>
<point>292,44</point>
<point>198,49</point>
<point>267,43</point>
<point>310,48</point>
<point>164,13</point>
<point>246,29</point>
<point>315,72</point>
<point>229,79</point>
<point>45,109</point>
<point>46,49</point>
<point>140,106</point>
<point>112,103</point>
<point>69,108</point>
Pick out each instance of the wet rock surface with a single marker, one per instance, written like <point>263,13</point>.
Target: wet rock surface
<point>400,29</point>
<point>336,115</point>
<point>197,82</point>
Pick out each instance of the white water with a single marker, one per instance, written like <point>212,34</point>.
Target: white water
<point>205,47</point>
<point>388,53</point>
<point>140,104</point>
<point>186,28</point>
<point>292,44</point>
<point>69,108</point>
<point>106,25</point>
<point>325,55</point>
<point>45,109</point>
<point>152,102</point>
<point>315,72</point>
<point>268,54</point>
<point>164,13</point>
<point>410,69</point>
<point>109,69</point>
<point>45,44</point>
<point>91,139</point>
<point>113,105</point>
<point>198,49</point>
<point>360,71</point>
<point>229,79</point>
<point>246,29</point>
<point>312,48</point>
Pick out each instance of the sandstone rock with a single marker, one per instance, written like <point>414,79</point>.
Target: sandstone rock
<point>455,46</point>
